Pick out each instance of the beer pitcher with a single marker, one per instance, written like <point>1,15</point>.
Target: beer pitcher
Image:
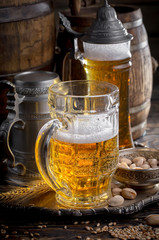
<point>106,57</point>
<point>28,112</point>
<point>77,151</point>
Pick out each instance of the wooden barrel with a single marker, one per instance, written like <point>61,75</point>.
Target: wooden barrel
<point>141,75</point>
<point>27,38</point>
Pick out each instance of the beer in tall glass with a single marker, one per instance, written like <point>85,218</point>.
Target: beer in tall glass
<point>111,63</point>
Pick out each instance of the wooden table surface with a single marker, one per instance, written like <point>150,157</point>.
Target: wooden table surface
<point>20,225</point>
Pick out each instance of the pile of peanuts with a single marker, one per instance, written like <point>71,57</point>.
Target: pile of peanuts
<point>119,194</point>
<point>138,163</point>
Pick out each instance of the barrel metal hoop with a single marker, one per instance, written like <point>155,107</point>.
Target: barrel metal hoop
<point>24,12</point>
<point>35,116</point>
<point>139,46</point>
<point>134,24</point>
<point>139,126</point>
<point>140,107</point>
<point>40,67</point>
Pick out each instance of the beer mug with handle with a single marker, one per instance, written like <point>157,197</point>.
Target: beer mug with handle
<point>77,151</point>
<point>106,56</point>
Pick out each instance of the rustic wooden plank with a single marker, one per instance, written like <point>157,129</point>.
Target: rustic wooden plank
<point>19,229</point>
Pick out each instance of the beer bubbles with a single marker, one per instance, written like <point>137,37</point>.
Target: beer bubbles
<point>88,129</point>
<point>104,52</point>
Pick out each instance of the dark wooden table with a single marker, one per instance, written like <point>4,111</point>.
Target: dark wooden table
<point>20,225</point>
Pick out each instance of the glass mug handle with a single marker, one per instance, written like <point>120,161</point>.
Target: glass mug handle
<point>42,146</point>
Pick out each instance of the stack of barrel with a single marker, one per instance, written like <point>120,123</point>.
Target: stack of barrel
<point>27,42</point>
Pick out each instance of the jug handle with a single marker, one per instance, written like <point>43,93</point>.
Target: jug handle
<point>74,52</point>
<point>74,35</point>
<point>42,150</point>
<point>66,23</point>
<point>7,124</point>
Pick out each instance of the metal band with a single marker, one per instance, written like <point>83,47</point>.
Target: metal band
<point>139,46</point>
<point>22,155</point>
<point>40,67</point>
<point>23,12</point>
<point>140,107</point>
<point>32,91</point>
<point>35,116</point>
<point>139,126</point>
<point>134,24</point>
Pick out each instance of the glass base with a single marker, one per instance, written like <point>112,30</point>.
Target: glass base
<point>85,202</point>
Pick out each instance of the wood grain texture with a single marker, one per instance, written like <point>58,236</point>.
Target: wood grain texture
<point>75,6</point>
<point>16,3</point>
<point>27,44</point>
<point>151,135</point>
<point>24,225</point>
<point>141,74</point>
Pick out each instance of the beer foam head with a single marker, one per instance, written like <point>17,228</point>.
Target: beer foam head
<point>107,52</point>
<point>89,129</point>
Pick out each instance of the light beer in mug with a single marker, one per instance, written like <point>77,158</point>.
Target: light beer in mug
<point>84,162</point>
<point>77,152</point>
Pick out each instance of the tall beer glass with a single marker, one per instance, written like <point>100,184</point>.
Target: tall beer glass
<point>77,151</point>
<point>111,63</point>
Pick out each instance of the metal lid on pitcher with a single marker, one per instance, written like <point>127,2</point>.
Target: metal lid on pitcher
<point>107,29</point>
<point>34,83</point>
